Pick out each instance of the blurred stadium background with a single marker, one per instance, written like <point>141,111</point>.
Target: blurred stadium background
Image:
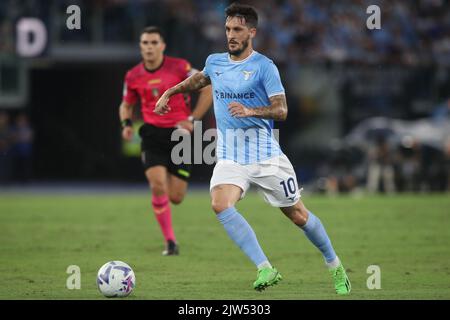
<point>369,112</point>
<point>58,111</point>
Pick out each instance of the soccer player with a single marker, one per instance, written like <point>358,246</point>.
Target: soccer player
<point>147,81</point>
<point>248,95</point>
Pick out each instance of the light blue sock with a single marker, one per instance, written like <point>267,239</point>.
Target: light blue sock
<point>316,233</point>
<point>243,235</point>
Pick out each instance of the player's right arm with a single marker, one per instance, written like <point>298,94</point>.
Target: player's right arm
<point>129,99</point>
<point>195,82</point>
<point>126,114</point>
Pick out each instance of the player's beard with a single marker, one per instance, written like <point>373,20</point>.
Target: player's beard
<point>238,52</point>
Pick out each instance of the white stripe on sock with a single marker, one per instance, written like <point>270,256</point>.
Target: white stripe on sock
<point>333,264</point>
<point>265,264</point>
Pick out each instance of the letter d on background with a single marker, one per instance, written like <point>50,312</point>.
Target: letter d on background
<point>31,37</point>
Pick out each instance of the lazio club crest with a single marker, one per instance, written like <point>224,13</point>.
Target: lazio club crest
<point>247,74</point>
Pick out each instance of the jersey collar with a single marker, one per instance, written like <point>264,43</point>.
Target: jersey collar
<point>157,68</point>
<point>242,61</point>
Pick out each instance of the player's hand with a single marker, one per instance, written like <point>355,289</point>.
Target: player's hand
<point>185,124</point>
<point>162,106</point>
<point>127,133</point>
<point>239,110</point>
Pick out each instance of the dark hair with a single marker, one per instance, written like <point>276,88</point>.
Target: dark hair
<point>153,29</point>
<point>244,11</point>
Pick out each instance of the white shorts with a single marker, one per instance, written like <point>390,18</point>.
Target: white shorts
<point>274,177</point>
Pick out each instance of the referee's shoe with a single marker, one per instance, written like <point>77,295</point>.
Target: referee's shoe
<point>172,249</point>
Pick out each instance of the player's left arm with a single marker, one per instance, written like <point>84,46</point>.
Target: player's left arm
<point>277,110</point>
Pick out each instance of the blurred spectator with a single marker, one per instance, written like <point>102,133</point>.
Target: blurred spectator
<point>5,143</point>
<point>433,172</point>
<point>381,167</point>
<point>409,165</point>
<point>21,148</point>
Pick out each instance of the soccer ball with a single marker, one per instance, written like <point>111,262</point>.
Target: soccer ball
<point>116,279</point>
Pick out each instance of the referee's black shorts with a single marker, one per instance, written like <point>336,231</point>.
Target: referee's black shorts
<point>156,148</point>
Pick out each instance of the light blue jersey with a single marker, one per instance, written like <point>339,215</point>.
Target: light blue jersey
<point>250,82</point>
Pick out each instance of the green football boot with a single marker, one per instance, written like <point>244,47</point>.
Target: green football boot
<point>266,277</point>
<point>341,281</point>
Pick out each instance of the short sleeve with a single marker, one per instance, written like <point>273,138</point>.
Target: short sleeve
<point>271,79</point>
<point>130,96</point>
<point>206,69</point>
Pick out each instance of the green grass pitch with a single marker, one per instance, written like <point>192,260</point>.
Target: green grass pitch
<point>407,236</point>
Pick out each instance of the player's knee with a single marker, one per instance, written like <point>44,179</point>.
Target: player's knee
<point>176,198</point>
<point>158,187</point>
<point>220,205</point>
<point>299,216</point>
<point>299,219</point>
